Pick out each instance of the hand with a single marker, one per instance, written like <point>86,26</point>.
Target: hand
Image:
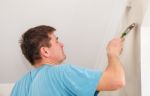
<point>115,47</point>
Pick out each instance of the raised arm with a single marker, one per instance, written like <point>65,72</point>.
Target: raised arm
<point>113,77</point>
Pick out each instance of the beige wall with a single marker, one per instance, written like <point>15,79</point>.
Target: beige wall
<point>130,58</point>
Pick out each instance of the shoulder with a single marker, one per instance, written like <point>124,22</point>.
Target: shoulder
<point>22,85</point>
<point>61,70</point>
<point>25,80</point>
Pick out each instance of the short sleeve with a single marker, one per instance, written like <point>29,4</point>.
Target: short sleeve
<point>21,88</point>
<point>81,81</point>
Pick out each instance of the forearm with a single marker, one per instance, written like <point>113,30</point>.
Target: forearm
<point>113,77</point>
<point>115,68</point>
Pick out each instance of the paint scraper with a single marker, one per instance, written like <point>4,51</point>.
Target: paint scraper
<point>128,29</point>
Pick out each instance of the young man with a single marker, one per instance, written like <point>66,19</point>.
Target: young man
<point>45,52</point>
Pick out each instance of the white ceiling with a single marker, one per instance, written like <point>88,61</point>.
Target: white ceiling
<point>84,26</point>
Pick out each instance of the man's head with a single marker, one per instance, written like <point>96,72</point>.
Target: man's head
<point>39,44</point>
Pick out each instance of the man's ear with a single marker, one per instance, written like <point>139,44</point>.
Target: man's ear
<point>44,51</point>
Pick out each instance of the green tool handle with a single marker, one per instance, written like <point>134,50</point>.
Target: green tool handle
<point>123,34</point>
<point>128,29</point>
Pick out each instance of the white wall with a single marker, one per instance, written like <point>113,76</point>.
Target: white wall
<point>5,89</point>
<point>145,54</point>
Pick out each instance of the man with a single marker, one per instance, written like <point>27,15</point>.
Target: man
<point>45,52</point>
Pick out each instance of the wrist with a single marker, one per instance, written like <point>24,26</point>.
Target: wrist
<point>112,55</point>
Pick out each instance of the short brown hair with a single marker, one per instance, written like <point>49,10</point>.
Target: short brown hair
<point>33,39</point>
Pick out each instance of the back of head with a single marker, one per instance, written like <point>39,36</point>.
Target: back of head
<point>33,39</point>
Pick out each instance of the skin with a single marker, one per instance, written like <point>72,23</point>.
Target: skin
<point>53,54</point>
<point>113,77</point>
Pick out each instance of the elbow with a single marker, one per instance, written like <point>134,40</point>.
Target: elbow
<point>119,81</point>
<point>119,84</point>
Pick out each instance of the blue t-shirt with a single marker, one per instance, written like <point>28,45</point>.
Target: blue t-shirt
<point>58,80</point>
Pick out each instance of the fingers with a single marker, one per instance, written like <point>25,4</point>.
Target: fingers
<point>116,45</point>
<point>123,39</point>
<point>121,51</point>
<point>119,40</point>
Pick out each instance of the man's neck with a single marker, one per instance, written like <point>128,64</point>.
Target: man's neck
<point>40,63</point>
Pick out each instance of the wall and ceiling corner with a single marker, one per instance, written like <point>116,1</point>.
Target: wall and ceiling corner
<point>85,27</point>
